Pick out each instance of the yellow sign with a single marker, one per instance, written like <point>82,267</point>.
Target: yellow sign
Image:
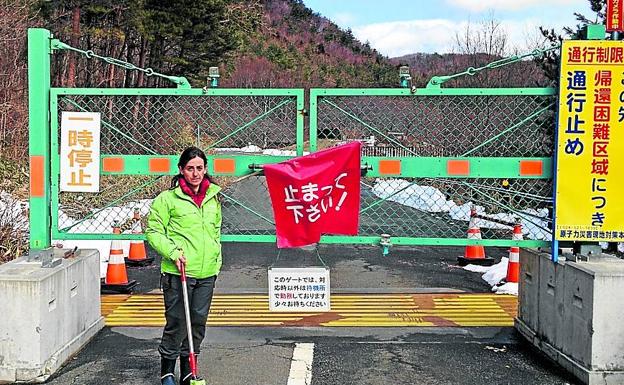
<point>590,142</point>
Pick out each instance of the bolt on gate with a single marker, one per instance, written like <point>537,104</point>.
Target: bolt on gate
<point>429,154</point>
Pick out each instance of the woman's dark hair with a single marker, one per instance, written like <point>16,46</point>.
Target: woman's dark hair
<point>188,154</point>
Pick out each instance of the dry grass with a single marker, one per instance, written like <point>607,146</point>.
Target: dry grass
<point>13,223</point>
<point>13,230</point>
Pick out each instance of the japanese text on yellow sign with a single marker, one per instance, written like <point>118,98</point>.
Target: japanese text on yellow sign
<point>590,142</point>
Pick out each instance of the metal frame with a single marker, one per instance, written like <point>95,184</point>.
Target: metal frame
<point>44,146</point>
<point>417,167</point>
<point>137,164</point>
<point>39,136</point>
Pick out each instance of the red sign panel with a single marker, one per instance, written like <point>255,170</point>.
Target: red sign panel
<point>614,16</point>
<point>315,194</point>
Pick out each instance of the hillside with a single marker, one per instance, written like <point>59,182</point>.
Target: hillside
<point>525,73</point>
<point>296,47</point>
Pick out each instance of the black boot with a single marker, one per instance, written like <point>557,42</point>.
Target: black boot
<point>167,369</point>
<point>185,370</point>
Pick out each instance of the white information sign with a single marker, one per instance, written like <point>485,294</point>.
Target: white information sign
<point>299,289</point>
<point>80,151</point>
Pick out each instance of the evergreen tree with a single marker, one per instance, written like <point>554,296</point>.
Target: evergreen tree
<point>182,37</point>
<point>550,61</point>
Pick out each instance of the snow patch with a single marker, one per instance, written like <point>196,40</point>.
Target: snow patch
<point>476,268</point>
<point>507,288</point>
<point>496,273</point>
<point>252,148</point>
<point>430,199</point>
<point>495,276</point>
<point>102,222</point>
<point>13,212</point>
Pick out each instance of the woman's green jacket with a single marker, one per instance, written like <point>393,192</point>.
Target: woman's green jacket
<point>176,226</point>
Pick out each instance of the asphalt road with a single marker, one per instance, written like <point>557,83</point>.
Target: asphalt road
<point>353,268</point>
<point>259,356</point>
<point>262,356</point>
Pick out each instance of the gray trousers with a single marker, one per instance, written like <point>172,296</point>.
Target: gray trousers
<point>174,340</point>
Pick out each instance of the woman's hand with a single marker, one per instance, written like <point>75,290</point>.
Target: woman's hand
<point>179,262</point>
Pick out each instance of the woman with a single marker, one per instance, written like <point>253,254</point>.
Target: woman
<point>184,227</point>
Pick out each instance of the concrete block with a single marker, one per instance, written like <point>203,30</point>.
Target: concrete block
<point>550,300</point>
<point>48,314</point>
<point>580,305</point>
<point>594,306</point>
<point>528,289</point>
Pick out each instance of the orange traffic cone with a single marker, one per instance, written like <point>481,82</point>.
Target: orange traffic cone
<point>474,254</point>
<point>513,268</point>
<point>116,280</point>
<point>137,256</point>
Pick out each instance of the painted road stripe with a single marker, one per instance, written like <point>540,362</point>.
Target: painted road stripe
<point>301,364</point>
<point>352,312</point>
<point>411,310</point>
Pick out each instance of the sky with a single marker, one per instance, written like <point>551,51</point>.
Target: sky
<point>399,27</point>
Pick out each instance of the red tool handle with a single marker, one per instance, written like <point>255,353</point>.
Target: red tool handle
<point>182,273</point>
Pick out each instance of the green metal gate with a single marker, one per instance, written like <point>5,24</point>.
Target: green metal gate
<point>428,153</point>
<point>142,134</point>
<point>432,153</point>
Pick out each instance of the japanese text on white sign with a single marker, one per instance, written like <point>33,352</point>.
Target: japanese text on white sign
<point>80,151</point>
<point>299,289</point>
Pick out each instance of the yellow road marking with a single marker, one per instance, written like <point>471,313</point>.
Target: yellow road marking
<point>347,310</point>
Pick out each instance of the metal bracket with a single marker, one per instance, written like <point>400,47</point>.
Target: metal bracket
<point>385,241</point>
<point>364,168</point>
<point>181,82</point>
<point>45,256</point>
<point>56,44</point>
<point>589,251</point>
<point>73,253</point>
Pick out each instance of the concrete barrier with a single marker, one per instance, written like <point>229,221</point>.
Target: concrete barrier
<point>577,319</point>
<point>47,314</point>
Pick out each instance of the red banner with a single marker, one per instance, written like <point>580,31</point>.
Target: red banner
<point>315,194</point>
<point>614,16</point>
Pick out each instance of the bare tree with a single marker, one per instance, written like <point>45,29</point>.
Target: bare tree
<point>487,37</point>
<point>486,42</point>
<point>14,23</point>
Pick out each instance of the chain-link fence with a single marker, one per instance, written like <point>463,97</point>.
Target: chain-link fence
<point>470,126</point>
<point>443,126</point>
<point>389,126</point>
<point>142,126</point>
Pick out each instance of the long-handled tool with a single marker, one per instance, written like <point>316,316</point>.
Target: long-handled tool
<point>187,313</point>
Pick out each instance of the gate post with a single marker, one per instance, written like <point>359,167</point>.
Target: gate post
<point>39,52</point>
